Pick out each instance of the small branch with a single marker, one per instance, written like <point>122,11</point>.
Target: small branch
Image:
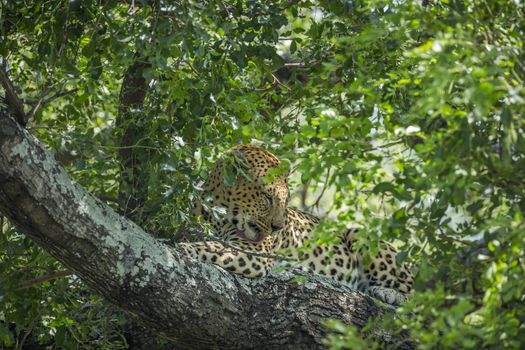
<point>41,279</point>
<point>12,98</point>
<point>386,145</point>
<point>325,186</point>
<point>50,98</point>
<point>26,334</point>
<point>25,269</point>
<point>42,101</point>
<point>278,82</point>
<point>38,103</point>
<point>275,82</point>
<point>295,65</point>
<point>30,268</point>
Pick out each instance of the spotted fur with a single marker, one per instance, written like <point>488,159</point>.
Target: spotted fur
<point>257,225</point>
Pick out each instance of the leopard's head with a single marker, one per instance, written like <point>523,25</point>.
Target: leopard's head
<point>252,208</point>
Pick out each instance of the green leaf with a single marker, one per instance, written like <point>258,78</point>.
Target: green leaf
<point>6,336</point>
<point>229,175</point>
<point>383,187</point>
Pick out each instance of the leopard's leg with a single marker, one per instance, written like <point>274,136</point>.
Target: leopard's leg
<point>380,276</point>
<point>235,257</point>
<point>388,281</point>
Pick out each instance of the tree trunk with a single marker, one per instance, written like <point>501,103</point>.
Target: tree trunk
<point>134,176</point>
<point>194,304</point>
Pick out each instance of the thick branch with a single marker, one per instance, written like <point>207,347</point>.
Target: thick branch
<point>134,175</point>
<point>195,304</point>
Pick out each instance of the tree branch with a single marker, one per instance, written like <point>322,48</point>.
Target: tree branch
<point>43,100</point>
<point>195,304</point>
<point>133,187</point>
<point>44,278</point>
<point>12,98</point>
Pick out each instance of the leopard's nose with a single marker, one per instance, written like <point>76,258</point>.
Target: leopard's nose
<point>276,227</point>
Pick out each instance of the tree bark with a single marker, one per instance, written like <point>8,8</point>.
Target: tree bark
<point>194,304</point>
<point>134,176</point>
<point>132,125</point>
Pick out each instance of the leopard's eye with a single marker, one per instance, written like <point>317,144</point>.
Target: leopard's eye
<point>268,198</point>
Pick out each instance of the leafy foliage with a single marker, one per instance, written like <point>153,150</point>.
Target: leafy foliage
<point>405,118</point>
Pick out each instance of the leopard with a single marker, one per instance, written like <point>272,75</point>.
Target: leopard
<point>256,229</point>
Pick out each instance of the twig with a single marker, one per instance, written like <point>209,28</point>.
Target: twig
<point>386,145</point>
<point>277,81</point>
<point>41,279</point>
<point>25,269</point>
<point>42,101</point>
<point>295,65</point>
<point>325,185</point>
<point>38,103</point>
<point>30,268</point>
<point>65,33</point>
<point>156,21</point>
<point>60,94</point>
<point>12,98</point>
<point>274,83</point>
<point>26,334</point>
